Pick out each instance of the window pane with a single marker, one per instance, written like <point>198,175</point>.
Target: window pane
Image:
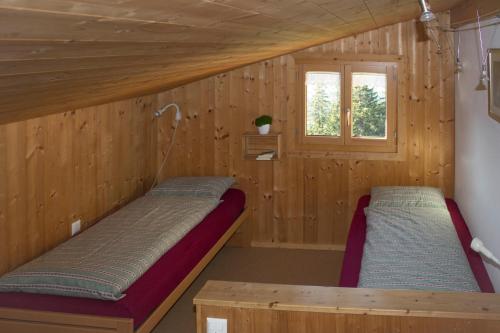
<point>323,104</point>
<point>369,109</point>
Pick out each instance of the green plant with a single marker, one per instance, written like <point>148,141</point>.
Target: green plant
<point>263,120</point>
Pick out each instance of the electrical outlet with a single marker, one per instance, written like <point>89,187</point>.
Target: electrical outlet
<point>216,325</point>
<point>75,227</point>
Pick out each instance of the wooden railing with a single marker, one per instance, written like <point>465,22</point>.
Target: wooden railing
<point>263,308</point>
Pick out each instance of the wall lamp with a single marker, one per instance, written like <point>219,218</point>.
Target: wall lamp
<point>427,14</point>
<point>178,114</point>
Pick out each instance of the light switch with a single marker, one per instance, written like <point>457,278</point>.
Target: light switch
<point>216,325</point>
<point>75,227</point>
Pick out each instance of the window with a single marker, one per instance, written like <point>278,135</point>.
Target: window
<point>323,104</point>
<point>348,106</point>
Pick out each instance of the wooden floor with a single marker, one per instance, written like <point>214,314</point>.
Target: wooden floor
<point>307,267</point>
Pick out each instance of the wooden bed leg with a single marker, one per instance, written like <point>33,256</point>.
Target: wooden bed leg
<point>199,327</point>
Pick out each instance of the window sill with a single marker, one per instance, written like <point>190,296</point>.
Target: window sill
<point>400,155</point>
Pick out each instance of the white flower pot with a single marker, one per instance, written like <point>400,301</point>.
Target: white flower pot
<point>264,129</point>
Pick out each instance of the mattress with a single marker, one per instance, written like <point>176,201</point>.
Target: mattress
<point>357,235</point>
<point>149,291</point>
<point>105,260</point>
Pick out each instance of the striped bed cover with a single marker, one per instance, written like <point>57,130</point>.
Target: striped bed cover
<point>353,258</point>
<point>154,286</point>
<point>106,259</point>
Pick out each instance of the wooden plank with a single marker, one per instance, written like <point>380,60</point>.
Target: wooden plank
<point>18,68</point>
<point>4,238</point>
<point>299,246</point>
<point>63,27</point>
<point>26,50</point>
<point>35,164</point>
<point>21,320</point>
<point>189,13</point>
<point>86,157</point>
<point>361,301</point>
<point>57,175</point>
<point>244,320</point>
<point>16,194</point>
<point>447,122</point>
<point>466,11</point>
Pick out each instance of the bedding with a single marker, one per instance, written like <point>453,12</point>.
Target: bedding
<point>413,248</point>
<point>106,259</point>
<point>210,187</point>
<point>411,243</point>
<point>407,196</point>
<point>353,256</point>
<point>149,291</point>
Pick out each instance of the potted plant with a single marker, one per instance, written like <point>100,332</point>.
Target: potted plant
<point>263,124</point>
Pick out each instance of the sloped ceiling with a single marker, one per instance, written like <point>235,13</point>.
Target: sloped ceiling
<point>57,55</point>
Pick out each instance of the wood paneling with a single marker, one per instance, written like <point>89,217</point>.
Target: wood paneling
<point>59,55</point>
<point>466,12</point>
<point>360,301</point>
<point>255,321</point>
<point>253,307</point>
<point>79,164</point>
<point>307,199</point>
<point>84,163</point>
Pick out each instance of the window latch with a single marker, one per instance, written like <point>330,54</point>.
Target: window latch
<point>348,116</point>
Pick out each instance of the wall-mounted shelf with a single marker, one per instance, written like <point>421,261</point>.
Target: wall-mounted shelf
<point>255,144</point>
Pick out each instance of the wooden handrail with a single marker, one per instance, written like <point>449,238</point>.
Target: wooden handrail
<point>358,301</point>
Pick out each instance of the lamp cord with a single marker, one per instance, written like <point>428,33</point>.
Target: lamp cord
<point>483,57</point>
<point>166,156</point>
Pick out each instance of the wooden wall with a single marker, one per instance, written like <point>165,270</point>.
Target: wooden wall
<point>85,163</point>
<point>74,165</point>
<point>308,201</point>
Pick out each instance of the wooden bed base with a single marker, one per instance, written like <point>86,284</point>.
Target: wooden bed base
<point>29,321</point>
<point>271,308</point>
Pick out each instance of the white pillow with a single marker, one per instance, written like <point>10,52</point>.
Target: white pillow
<point>407,196</point>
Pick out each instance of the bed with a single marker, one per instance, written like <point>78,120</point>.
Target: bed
<point>256,307</point>
<point>352,264</point>
<point>146,300</point>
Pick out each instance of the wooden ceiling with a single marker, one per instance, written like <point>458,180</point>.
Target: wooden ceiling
<point>57,55</point>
